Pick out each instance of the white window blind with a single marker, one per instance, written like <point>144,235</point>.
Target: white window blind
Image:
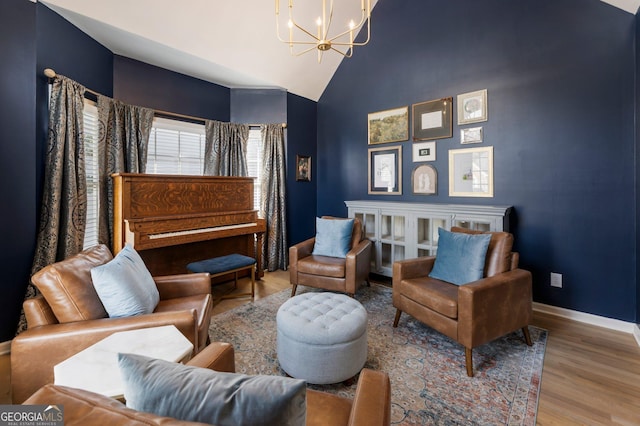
<point>90,118</point>
<point>254,163</point>
<point>176,147</point>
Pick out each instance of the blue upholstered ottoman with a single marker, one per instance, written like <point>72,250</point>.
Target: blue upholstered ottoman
<point>322,337</point>
<point>232,263</point>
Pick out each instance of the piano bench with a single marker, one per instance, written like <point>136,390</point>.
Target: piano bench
<point>231,263</point>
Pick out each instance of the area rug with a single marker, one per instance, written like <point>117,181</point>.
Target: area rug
<point>429,384</point>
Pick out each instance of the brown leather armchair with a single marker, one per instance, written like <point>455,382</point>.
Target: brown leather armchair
<point>371,405</point>
<point>69,317</point>
<point>471,314</point>
<point>331,273</point>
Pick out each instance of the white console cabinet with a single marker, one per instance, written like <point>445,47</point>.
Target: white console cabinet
<point>408,230</point>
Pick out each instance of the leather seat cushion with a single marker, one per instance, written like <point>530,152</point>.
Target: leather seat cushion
<point>327,409</point>
<point>434,294</point>
<point>322,265</point>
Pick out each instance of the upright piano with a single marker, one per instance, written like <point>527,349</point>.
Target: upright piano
<point>172,220</point>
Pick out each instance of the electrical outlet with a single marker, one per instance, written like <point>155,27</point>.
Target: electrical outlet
<point>556,280</point>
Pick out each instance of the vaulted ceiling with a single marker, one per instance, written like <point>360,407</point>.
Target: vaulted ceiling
<point>232,43</point>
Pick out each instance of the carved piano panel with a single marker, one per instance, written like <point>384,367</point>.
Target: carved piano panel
<point>172,220</point>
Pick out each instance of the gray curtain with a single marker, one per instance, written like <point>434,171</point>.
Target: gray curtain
<point>225,151</point>
<point>273,209</point>
<point>64,199</point>
<point>122,148</point>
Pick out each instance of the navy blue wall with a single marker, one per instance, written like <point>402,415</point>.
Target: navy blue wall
<point>138,83</point>
<point>302,140</point>
<point>17,156</point>
<point>258,106</point>
<point>560,76</point>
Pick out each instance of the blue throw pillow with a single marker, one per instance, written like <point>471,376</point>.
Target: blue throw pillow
<point>201,395</point>
<point>460,257</point>
<point>333,237</point>
<point>125,285</point>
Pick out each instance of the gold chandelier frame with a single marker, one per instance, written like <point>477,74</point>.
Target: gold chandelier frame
<point>321,39</point>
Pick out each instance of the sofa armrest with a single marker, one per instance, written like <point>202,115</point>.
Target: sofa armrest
<point>297,252</point>
<point>35,351</point>
<point>412,268</point>
<point>182,285</point>
<point>494,306</point>
<point>372,401</point>
<point>357,265</point>
<point>218,356</point>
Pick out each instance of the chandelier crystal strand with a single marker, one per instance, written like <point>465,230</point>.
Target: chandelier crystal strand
<point>320,39</point>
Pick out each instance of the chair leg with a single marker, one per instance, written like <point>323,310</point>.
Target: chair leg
<point>253,282</point>
<point>469,361</point>
<point>527,335</point>
<point>293,290</point>
<point>397,318</point>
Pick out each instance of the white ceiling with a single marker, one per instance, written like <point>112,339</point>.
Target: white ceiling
<point>229,42</point>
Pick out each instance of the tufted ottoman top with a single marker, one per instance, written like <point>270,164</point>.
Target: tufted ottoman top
<point>322,318</point>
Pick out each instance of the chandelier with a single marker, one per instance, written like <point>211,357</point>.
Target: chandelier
<point>322,38</point>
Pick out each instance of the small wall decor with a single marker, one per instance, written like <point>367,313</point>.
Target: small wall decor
<point>424,180</point>
<point>385,170</point>
<point>424,151</point>
<point>471,172</point>
<point>391,125</point>
<point>432,120</point>
<point>303,168</point>
<point>471,135</point>
<point>472,107</point>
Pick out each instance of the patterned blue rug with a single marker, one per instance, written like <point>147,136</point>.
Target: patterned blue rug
<point>429,384</point>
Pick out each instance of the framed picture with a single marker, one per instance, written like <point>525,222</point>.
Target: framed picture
<point>303,168</point>
<point>471,135</point>
<point>391,125</point>
<point>424,180</point>
<point>424,151</point>
<point>385,170</point>
<point>432,120</point>
<point>471,172</point>
<point>472,107</point>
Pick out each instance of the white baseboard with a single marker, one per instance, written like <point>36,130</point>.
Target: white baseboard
<point>610,323</point>
<point>5,348</point>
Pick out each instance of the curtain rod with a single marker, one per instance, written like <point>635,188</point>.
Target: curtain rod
<point>48,72</point>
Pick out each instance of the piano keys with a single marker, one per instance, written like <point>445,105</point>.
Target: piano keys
<point>172,220</point>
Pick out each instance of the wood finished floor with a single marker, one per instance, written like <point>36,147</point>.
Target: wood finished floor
<point>591,375</point>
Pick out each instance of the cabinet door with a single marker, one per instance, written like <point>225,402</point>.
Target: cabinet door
<point>393,231</point>
<point>368,218</point>
<point>426,232</point>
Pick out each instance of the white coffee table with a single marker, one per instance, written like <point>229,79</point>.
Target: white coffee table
<point>96,368</point>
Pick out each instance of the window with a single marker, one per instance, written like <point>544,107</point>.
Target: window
<point>254,163</point>
<point>90,119</point>
<point>176,147</point>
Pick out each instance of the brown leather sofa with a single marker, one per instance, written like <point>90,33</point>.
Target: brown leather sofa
<point>69,317</point>
<point>331,273</point>
<point>370,407</point>
<point>471,314</point>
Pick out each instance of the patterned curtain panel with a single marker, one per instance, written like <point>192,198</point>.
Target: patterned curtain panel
<point>275,251</point>
<point>64,200</point>
<point>225,151</point>
<point>122,148</point>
